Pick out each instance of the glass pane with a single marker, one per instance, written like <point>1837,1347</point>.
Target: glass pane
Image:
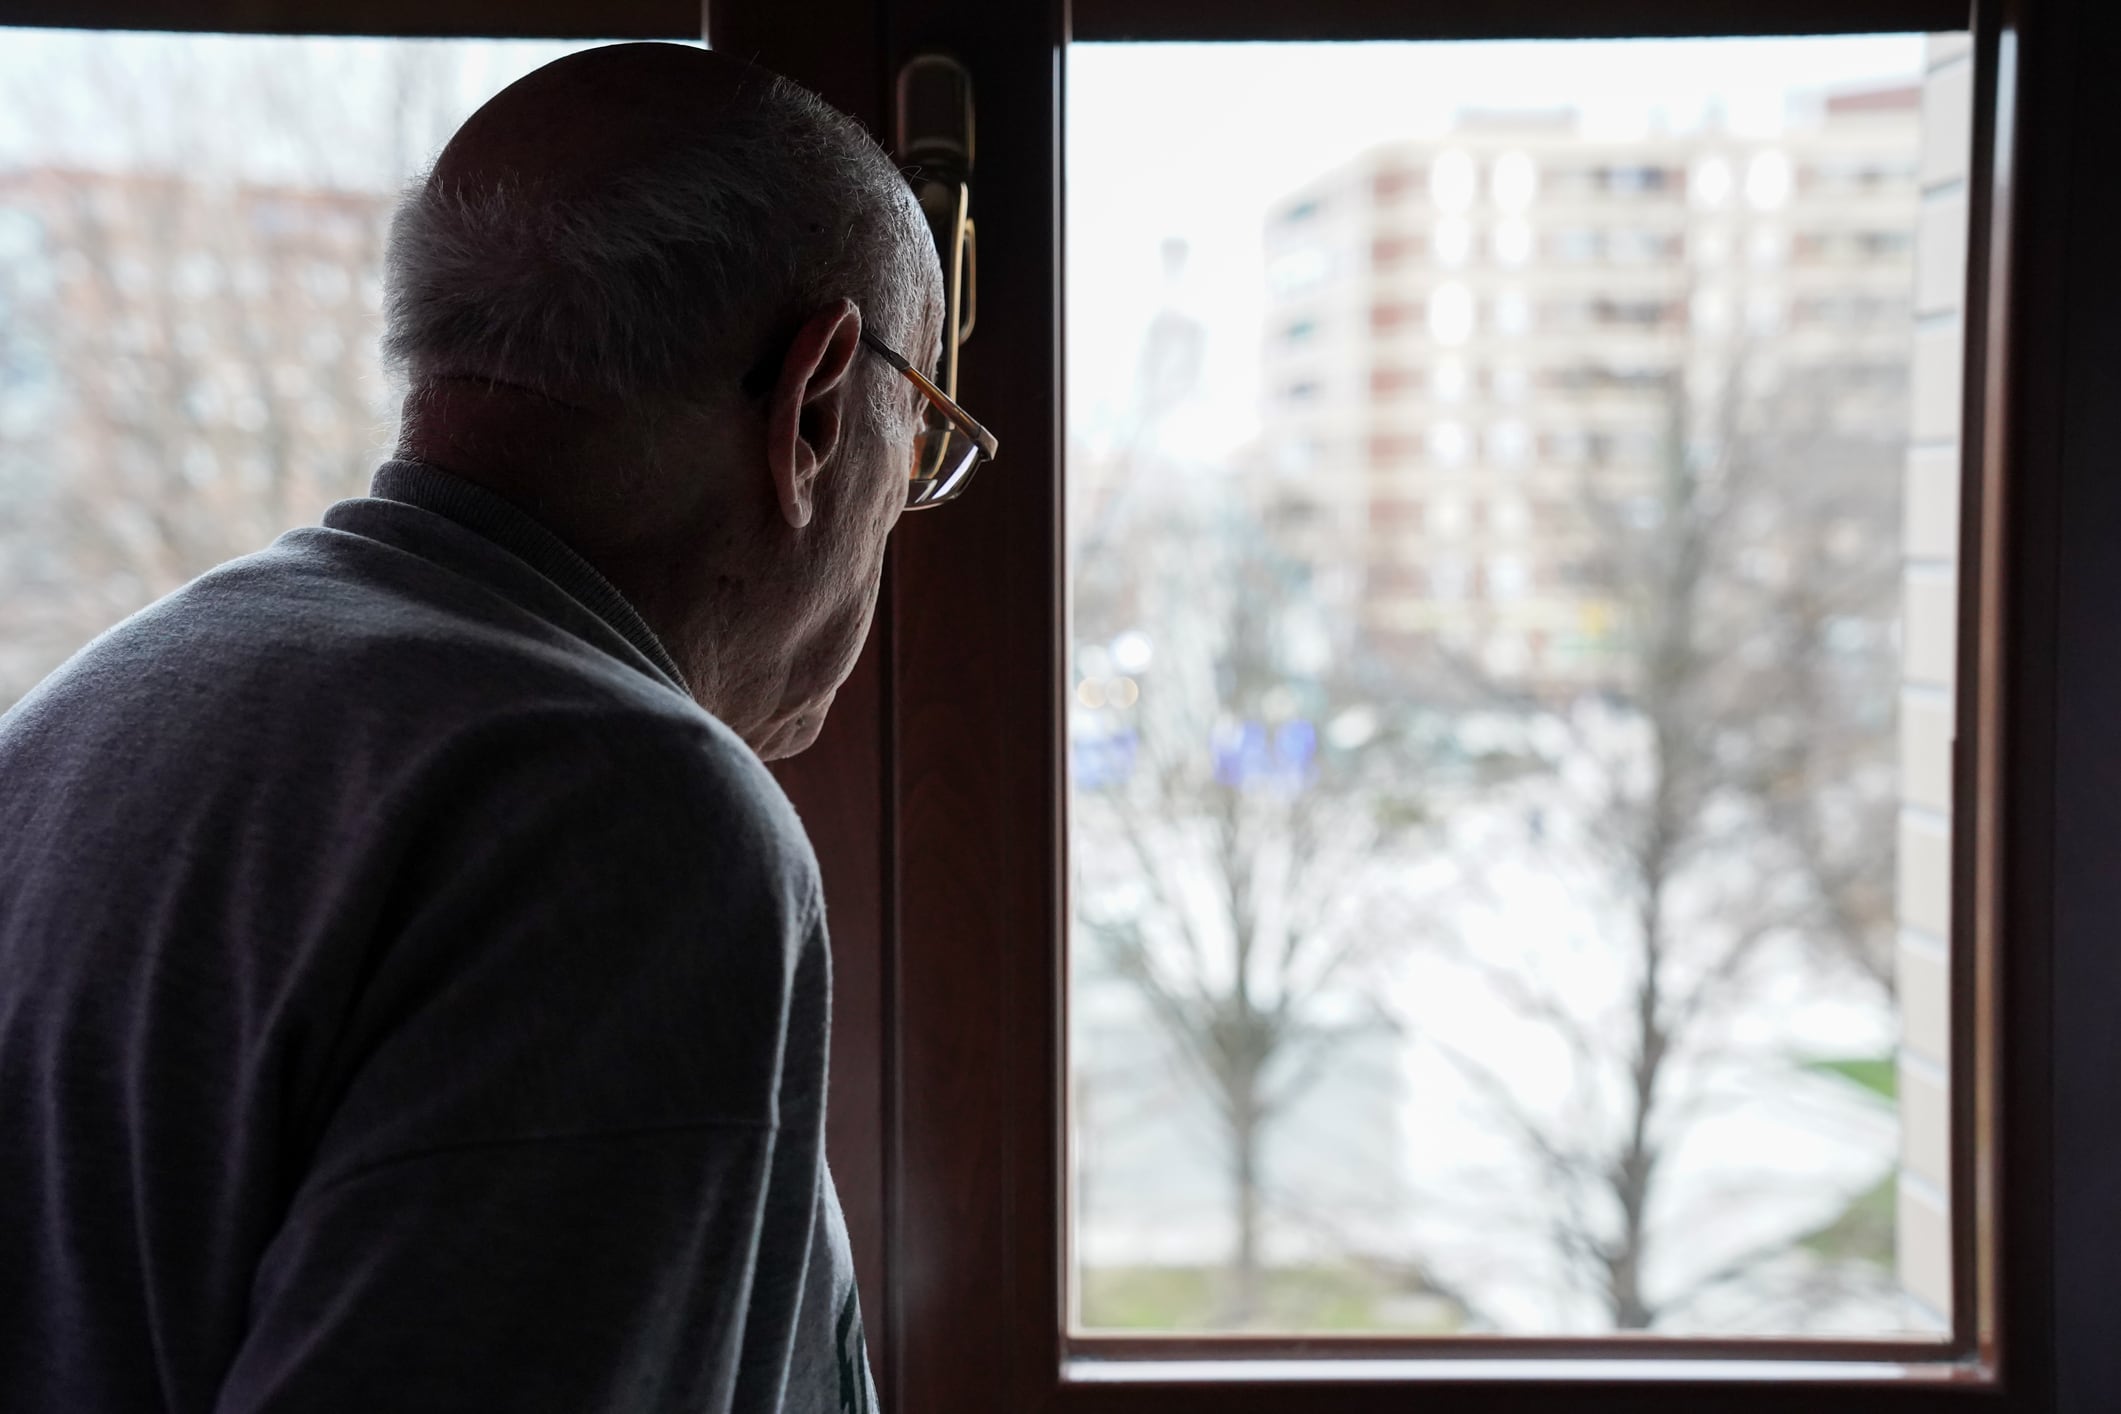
<point>191,237</point>
<point>1511,491</point>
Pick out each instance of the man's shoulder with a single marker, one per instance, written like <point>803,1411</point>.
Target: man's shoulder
<point>648,775</point>
<point>324,624</point>
<point>330,667</point>
<point>673,764</point>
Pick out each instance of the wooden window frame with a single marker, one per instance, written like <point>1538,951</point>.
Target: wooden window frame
<point>387,19</point>
<point>948,1029</point>
<point>979,921</point>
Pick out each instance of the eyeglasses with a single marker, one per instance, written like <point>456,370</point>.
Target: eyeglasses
<point>950,446</point>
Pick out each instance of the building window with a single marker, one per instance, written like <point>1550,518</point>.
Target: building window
<point>1509,577</point>
<point>1711,185</point>
<point>1767,180</point>
<point>1451,313</point>
<point>1513,241</point>
<point>1450,445</point>
<point>1509,444</point>
<point>1513,312</point>
<point>1452,242</point>
<point>1295,271</point>
<point>1453,181</point>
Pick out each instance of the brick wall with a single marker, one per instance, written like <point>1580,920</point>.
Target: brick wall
<point>1930,540</point>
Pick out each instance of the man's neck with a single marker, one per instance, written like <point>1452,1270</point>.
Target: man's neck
<point>655,530</point>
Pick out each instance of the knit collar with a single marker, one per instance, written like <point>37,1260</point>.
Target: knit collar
<point>522,535</point>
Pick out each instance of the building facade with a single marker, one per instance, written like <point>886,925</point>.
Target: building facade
<point>188,369</point>
<point>1477,346</point>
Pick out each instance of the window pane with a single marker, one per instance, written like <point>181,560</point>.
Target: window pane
<point>191,236</point>
<point>1510,496</point>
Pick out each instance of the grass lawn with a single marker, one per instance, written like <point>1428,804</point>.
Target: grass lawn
<point>1311,1298</point>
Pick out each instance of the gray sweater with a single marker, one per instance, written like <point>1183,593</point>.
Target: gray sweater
<point>409,1000</point>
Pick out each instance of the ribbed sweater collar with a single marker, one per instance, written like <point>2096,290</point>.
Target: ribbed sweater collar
<point>522,535</point>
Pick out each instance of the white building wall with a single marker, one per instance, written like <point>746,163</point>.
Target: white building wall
<point>1930,536</point>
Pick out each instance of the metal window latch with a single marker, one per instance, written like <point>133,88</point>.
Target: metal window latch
<point>934,142</point>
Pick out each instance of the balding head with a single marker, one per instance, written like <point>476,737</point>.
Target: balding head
<point>630,297</point>
<point>635,222</point>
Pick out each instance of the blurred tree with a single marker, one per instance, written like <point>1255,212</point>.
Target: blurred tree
<point>202,301</point>
<point>1228,819</point>
<point>1733,799</point>
<point>1232,884</point>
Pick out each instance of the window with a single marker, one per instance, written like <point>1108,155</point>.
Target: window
<point>1513,311</point>
<point>1509,444</point>
<point>1513,241</point>
<point>1449,443</point>
<point>1374,1031</point>
<point>1767,180</point>
<point>1516,180</point>
<point>1453,181</point>
<point>1711,185</point>
<point>1509,577</point>
<point>1452,241</point>
<point>1303,268</point>
<point>1451,313</point>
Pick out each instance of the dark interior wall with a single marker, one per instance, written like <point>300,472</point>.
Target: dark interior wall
<point>2073,268</point>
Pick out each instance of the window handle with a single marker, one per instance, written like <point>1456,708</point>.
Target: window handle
<point>935,142</point>
<point>971,294</point>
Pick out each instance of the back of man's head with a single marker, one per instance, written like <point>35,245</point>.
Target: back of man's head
<point>630,224</point>
<point>634,297</point>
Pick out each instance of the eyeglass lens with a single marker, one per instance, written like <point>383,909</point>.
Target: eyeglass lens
<point>943,462</point>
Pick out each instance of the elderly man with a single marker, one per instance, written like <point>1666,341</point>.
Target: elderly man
<point>413,989</point>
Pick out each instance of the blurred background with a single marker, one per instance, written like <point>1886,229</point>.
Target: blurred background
<point>1485,490</point>
<point>191,237</point>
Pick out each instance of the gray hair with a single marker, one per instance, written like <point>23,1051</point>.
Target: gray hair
<point>638,287</point>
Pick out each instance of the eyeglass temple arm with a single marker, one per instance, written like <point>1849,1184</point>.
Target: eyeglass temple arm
<point>965,421</point>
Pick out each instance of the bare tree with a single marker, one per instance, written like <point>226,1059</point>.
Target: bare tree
<point>1725,802</point>
<point>205,337</point>
<point>1263,786</point>
<point>1824,505</point>
<point>1227,841</point>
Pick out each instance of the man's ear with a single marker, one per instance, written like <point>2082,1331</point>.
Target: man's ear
<point>806,413</point>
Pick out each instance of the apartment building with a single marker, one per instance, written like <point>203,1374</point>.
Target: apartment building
<point>1477,346</point>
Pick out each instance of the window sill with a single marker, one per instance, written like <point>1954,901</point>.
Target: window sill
<point>1528,1370</point>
